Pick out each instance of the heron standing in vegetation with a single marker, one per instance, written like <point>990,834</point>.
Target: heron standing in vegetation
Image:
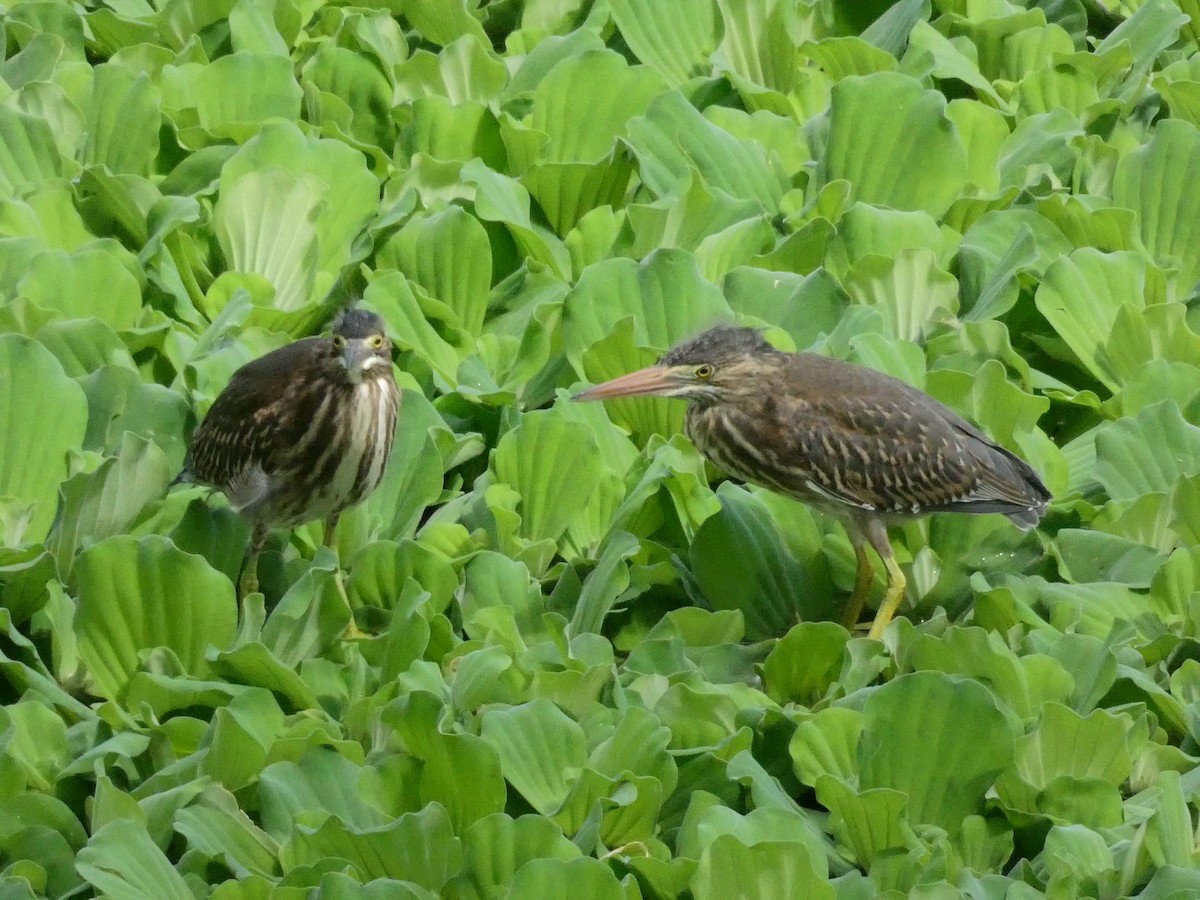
<point>301,433</point>
<point>858,444</point>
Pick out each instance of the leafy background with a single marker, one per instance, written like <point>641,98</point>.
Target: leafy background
<point>596,670</point>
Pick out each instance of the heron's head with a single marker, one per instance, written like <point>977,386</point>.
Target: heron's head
<point>713,367</point>
<point>360,344</point>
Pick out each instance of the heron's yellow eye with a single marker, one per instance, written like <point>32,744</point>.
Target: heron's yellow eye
<point>339,342</point>
<point>375,342</point>
<point>704,372</point>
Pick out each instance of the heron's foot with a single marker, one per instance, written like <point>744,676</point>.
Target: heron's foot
<point>864,576</point>
<point>352,632</point>
<point>853,611</point>
<point>248,583</point>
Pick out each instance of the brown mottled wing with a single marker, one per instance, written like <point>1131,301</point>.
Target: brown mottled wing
<point>258,413</point>
<point>838,434</point>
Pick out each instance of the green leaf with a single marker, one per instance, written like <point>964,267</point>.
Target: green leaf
<point>321,784</point>
<point>229,97</point>
<point>1147,453</point>
<point>417,324</point>
<point>492,580</point>
<point>552,463</point>
<point>1022,682</point>
<point>930,51</point>
<point>91,282</point>
<point>356,80</point>
<point>565,150</point>
<point>563,877</point>
<point>449,256</point>
<point>309,617</point>
<point>627,807</point>
<point>445,756</point>
<point>914,160</point>
<point>613,91</point>
<point>1093,556</point>
<point>497,847</point>
<point>33,461</point>
<point>29,156</point>
<point>1081,296</point>
<point>241,733</point>
<point>805,662</point>
<point>120,860</point>
<point>638,744</point>
<point>1076,855</point>
<point>252,663</point>
<point>1152,180</point>
<point>350,191</point>
<point>1062,87</point>
<point>755,46</point>
<point>673,140</point>
<point>1065,743</point>
<point>826,745</point>
<point>1171,883</point>
<point>84,345</point>
<point>674,39</point>
<point>538,746</point>
<point>945,759</point>
<point>441,22</point>
<point>741,562</point>
<point>909,287</point>
<point>775,869</point>
<point>418,847</point>
<point>111,499</point>
<point>24,575</point>
<point>247,221</point>
<point>465,69</point>
<point>138,594</point>
<point>1168,836</point>
<point>444,130</point>
<point>123,121</point>
<point>652,293</point>
<point>1041,150</point>
<point>35,739</point>
<point>222,831</point>
<point>604,585</point>
<point>1151,28</point>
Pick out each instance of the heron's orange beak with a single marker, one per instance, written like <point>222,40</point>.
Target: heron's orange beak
<point>659,380</point>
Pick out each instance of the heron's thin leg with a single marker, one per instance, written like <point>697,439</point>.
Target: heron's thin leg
<point>330,527</point>
<point>863,577</point>
<point>352,630</point>
<point>877,535</point>
<point>248,583</point>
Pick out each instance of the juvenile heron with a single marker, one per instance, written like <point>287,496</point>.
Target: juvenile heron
<point>301,433</point>
<point>860,445</point>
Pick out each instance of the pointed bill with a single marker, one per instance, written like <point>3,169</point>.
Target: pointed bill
<point>648,381</point>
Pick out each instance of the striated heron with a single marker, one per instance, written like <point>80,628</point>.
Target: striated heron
<point>858,444</point>
<point>301,433</point>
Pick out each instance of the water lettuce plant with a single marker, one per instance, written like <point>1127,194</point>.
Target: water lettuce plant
<point>596,669</point>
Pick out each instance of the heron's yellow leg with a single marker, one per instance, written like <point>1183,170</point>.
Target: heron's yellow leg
<point>330,528</point>
<point>896,582</point>
<point>352,632</point>
<point>891,600</point>
<point>863,577</point>
<point>248,583</point>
